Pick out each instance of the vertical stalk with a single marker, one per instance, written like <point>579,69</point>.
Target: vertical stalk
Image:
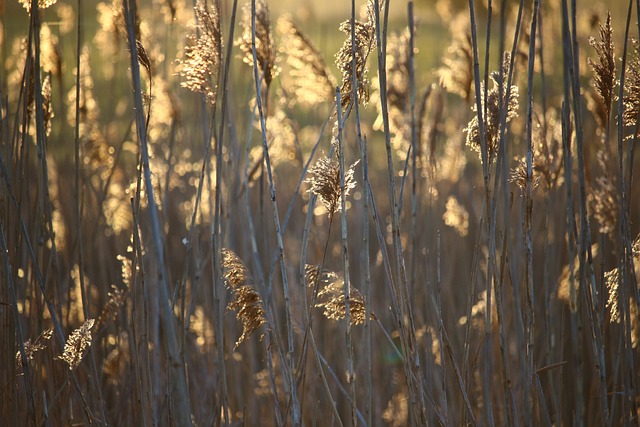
<point>345,257</point>
<point>276,219</point>
<point>528,232</point>
<point>405,317</point>
<point>177,377</point>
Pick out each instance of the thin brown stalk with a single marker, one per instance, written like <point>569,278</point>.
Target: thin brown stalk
<point>276,218</point>
<point>179,388</point>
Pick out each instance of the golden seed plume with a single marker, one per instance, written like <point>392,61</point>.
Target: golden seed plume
<point>110,310</point>
<point>307,76</point>
<point>265,45</point>
<point>42,4</point>
<point>331,298</point>
<point>456,216</point>
<point>519,173</point>
<point>31,348</point>
<point>604,195</point>
<point>364,39</point>
<point>202,53</point>
<point>456,72</point>
<point>246,300</point>
<point>398,89</point>
<point>77,345</point>
<point>631,99</point>
<point>324,178</point>
<point>604,73</point>
<point>496,103</point>
<point>611,279</point>
<point>547,140</point>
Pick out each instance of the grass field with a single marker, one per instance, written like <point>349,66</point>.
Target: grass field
<point>319,213</point>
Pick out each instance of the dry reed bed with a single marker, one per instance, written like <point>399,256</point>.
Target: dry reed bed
<point>203,221</point>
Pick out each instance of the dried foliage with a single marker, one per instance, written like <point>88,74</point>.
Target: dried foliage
<point>77,345</point>
<point>265,44</point>
<point>604,71</point>
<point>307,78</point>
<point>202,53</point>
<point>324,178</point>
<point>246,300</point>
<point>496,104</point>
<point>364,40</point>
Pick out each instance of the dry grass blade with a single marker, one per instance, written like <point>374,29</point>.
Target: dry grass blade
<point>202,53</point>
<point>364,38</point>
<point>496,103</point>
<point>77,345</point>
<point>246,300</point>
<point>604,71</point>
<point>324,178</point>
<point>307,77</point>
<point>265,45</point>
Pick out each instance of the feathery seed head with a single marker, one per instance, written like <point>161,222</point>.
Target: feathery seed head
<point>246,300</point>
<point>324,178</point>
<point>77,345</point>
<point>202,53</point>
<point>265,45</point>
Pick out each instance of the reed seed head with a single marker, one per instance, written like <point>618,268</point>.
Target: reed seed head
<point>364,32</point>
<point>496,103</point>
<point>324,178</point>
<point>265,44</point>
<point>31,348</point>
<point>202,53</point>
<point>246,300</point>
<point>604,73</point>
<point>307,77</point>
<point>78,344</point>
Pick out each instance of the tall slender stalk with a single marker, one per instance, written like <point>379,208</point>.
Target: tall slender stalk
<point>276,219</point>
<point>178,381</point>
<point>529,391</point>
<point>405,317</point>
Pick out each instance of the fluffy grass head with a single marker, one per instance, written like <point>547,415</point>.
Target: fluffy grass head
<point>246,300</point>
